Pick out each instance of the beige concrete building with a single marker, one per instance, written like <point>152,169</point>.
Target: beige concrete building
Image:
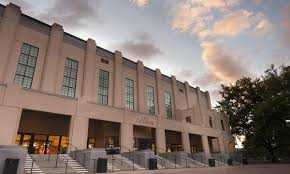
<point>58,92</point>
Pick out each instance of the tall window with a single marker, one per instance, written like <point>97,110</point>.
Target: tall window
<point>150,100</point>
<point>210,122</point>
<point>70,78</point>
<point>26,65</point>
<point>103,87</point>
<point>129,94</point>
<point>222,123</point>
<point>168,107</point>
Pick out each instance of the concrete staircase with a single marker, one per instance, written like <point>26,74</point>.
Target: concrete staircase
<point>53,164</point>
<point>77,168</point>
<point>29,169</point>
<point>163,163</point>
<point>124,163</point>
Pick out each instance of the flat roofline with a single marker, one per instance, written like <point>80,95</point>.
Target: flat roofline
<point>97,47</point>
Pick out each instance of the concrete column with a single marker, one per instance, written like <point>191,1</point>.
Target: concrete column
<point>205,146</point>
<point>79,132</point>
<point>208,100</point>
<point>89,83</point>
<point>202,116</point>
<point>127,141</point>
<point>141,87</point>
<point>160,140</point>
<point>159,94</point>
<point>174,95</point>
<point>118,80</point>
<point>52,59</point>
<point>221,144</point>
<point>186,142</point>
<point>9,123</point>
<point>9,24</point>
<point>187,92</point>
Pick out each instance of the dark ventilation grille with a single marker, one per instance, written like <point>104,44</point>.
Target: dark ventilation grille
<point>105,61</point>
<point>129,63</point>
<point>34,24</point>
<point>70,39</point>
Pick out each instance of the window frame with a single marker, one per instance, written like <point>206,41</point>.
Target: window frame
<point>129,94</point>
<point>168,105</point>
<point>150,100</point>
<point>103,87</point>
<point>72,77</point>
<point>20,78</point>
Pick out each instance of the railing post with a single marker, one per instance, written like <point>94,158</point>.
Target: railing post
<point>56,160</point>
<point>65,171</point>
<point>32,166</point>
<point>175,160</point>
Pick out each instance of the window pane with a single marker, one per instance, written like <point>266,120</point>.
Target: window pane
<point>168,107</point>
<point>150,100</point>
<point>103,87</point>
<point>129,94</point>
<point>26,65</point>
<point>70,78</point>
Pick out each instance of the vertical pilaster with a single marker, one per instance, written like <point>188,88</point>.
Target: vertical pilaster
<point>9,123</point>
<point>160,140</point>
<point>202,116</point>
<point>141,87</point>
<point>205,146</point>
<point>159,94</point>
<point>127,141</point>
<point>79,132</point>
<point>118,80</point>
<point>52,59</point>
<point>187,92</point>
<point>208,100</point>
<point>89,83</point>
<point>9,24</point>
<point>174,95</point>
<point>186,142</point>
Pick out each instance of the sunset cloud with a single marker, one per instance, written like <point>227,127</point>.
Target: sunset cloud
<point>140,46</point>
<point>140,3</point>
<point>222,63</point>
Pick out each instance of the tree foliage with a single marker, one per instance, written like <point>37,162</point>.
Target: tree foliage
<point>258,109</point>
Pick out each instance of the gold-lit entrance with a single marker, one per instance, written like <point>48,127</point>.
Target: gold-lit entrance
<point>43,133</point>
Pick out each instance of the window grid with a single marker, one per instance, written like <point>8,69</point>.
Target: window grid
<point>70,78</point>
<point>103,87</point>
<point>168,106</point>
<point>26,65</point>
<point>150,100</point>
<point>129,94</point>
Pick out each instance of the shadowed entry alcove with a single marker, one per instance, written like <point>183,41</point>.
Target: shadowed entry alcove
<point>43,132</point>
<point>103,134</point>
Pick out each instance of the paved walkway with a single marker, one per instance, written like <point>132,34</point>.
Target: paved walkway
<point>249,169</point>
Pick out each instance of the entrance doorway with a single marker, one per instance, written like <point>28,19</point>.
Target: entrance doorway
<point>43,133</point>
<point>213,145</point>
<point>195,143</point>
<point>173,141</point>
<point>144,138</point>
<point>103,134</point>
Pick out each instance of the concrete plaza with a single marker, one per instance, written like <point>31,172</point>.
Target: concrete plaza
<point>249,169</point>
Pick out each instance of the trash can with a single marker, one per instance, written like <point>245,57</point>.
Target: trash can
<point>245,161</point>
<point>11,166</point>
<point>230,162</point>
<point>152,164</point>
<point>102,165</point>
<point>211,162</point>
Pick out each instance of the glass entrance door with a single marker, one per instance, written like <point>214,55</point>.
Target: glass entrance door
<point>43,144</point>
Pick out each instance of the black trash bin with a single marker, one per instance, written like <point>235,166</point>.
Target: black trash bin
<point>11,166</point>
<point>152,164</point>
<point>245,161</point>
<point>102,165</point>
<point>230,162</point>
<point>211,162</point>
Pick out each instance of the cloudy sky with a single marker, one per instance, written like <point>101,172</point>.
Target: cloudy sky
<point>205,42</point>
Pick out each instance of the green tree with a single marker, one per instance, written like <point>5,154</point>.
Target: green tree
<point>262,119</point>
